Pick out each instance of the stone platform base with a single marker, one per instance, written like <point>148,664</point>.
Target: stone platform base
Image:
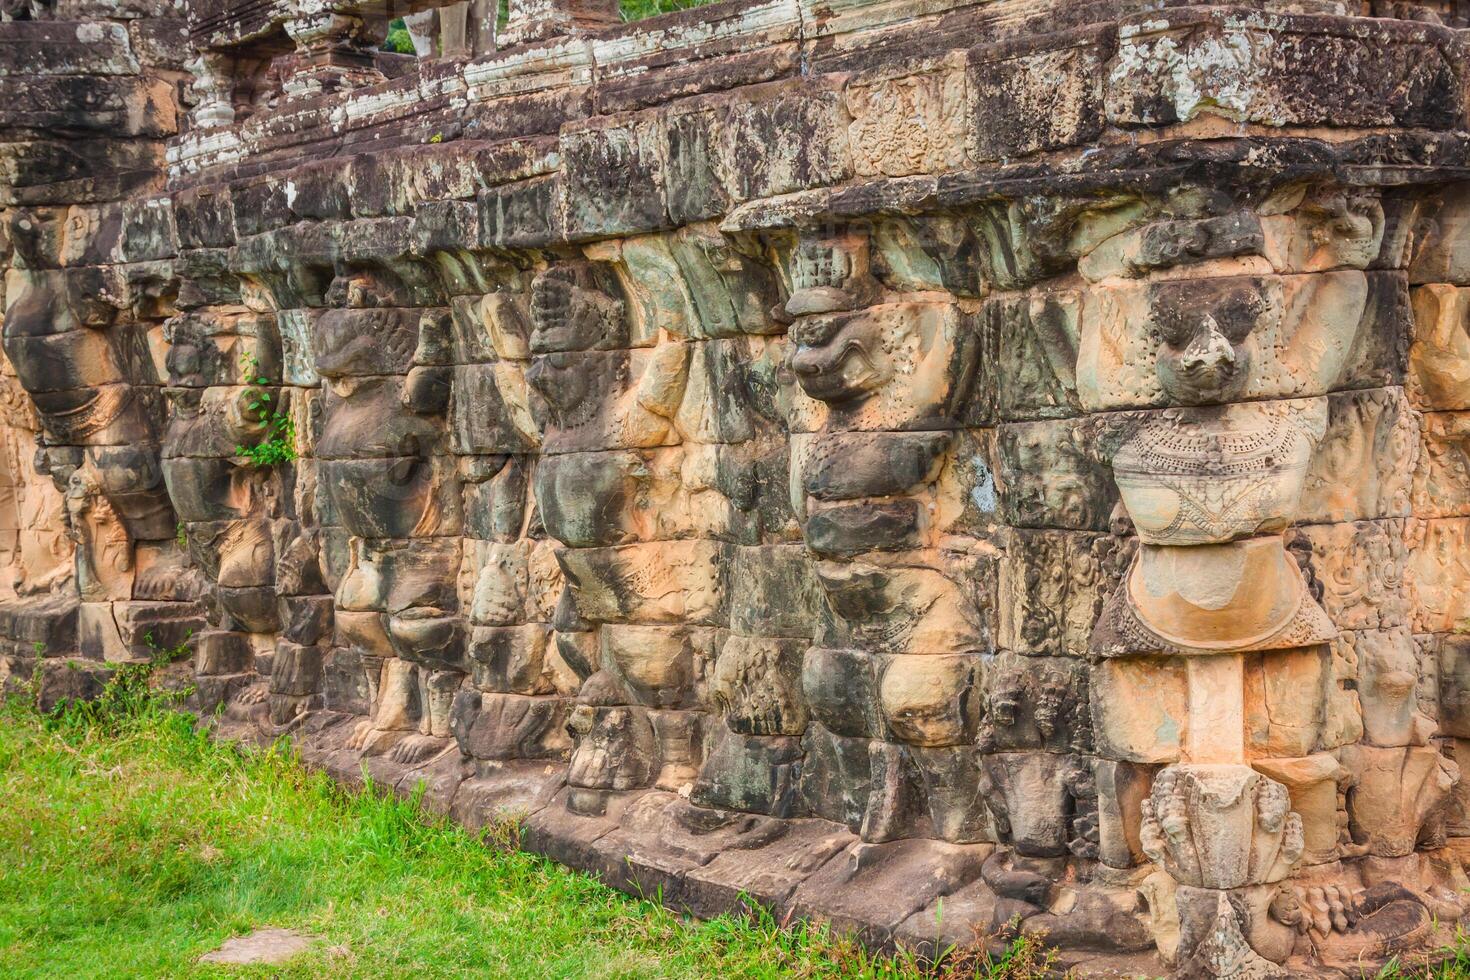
<point>51,682</point>
<point>925,895</point>
<point>39,655</point>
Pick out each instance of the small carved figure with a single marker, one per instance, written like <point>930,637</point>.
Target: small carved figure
<point>1220,826</point>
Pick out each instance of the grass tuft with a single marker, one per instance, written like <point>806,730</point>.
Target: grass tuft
<point>1450,963</point>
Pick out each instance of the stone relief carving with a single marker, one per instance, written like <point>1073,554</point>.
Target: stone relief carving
<point>903,492</point>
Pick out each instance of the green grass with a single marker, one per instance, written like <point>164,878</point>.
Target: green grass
<point>130,845</point>
<point>1456,967</point>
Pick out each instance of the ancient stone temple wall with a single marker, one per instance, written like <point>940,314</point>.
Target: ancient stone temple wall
<point>919,466</point>
<point>90,94</point>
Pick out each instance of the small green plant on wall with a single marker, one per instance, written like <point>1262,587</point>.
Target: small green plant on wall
<point>278,445</point>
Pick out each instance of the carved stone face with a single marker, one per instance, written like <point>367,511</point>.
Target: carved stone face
<point>1204,329</point>
<point>186,361</point>
<point>1029,795</point>
<point>570,313</point>
<point>1051,699</point>
<point>81,488</point>
<point>842,358</point>
<point>364,289</point>
<point>1220,826</point>
<point>56,337</point>
<point>565,388</point>
<point>1337,228</point>
<point>1006,693</point>
<point>44,303</point>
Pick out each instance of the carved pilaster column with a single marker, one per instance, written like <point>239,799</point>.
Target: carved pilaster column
<point>213,88</point>
<point>1209,484</point>
<point>1212,388</point>
<point>464,29</point>
<point>330,54</point>
<point>423,31</point>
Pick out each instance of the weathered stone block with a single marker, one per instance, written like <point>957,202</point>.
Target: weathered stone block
<point>751,773</point>
<point>523,214</point>
<point>1443,470</point>
<point>907,123</point>
<point>784,138</point>
<point>697,189</point>
<point>509,726</point>
<point>656,582</point>
<point>109,106</point>
<point>1140,709</point>
<point>66,48</point>
<point>1050,589</point>
<point>774,592</point>
<point>1288,70</point>
<point>1435,575</point>
<point>755,684</point>
<point>1363,467</point>
<point>932,467</point>
<point>1032,95</point>
<point>1439,358</point>
<point>614,178</point>
<point>1047,476</point>
<point>841,691</point>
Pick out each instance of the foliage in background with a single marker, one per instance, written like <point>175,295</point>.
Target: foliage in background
<point>639,9</point>
<point>399,41</point>
<point>134,844</point>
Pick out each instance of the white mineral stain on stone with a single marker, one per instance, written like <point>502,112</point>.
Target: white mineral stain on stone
<point>1219,73</point>
<point>261,946</point>
<point>983,493</point>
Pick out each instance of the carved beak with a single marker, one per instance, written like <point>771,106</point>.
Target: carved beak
<point>1212,351</point>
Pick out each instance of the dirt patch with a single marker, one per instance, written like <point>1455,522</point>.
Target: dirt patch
<point>261,946</point>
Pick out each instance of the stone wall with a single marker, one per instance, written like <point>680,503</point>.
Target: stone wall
<point>89,93</point>
<point>915,466</point>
